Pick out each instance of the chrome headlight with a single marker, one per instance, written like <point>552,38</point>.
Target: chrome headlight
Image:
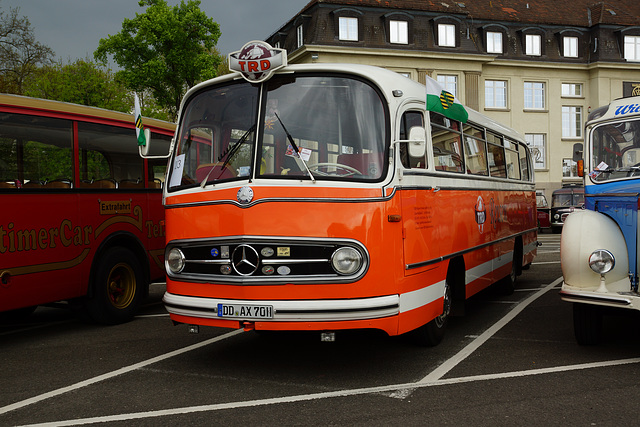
<point>175,261</point>
<point>602,261</point>
<point>346,260</point>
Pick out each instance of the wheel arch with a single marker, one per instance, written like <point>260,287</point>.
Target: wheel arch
<point>126,240</point>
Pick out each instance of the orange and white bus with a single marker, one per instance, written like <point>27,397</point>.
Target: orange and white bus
<point>325,197</point>
<point>81,217</point>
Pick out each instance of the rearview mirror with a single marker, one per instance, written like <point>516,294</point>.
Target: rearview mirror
<point>417,141</point>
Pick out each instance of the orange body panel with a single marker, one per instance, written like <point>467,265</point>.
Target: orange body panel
<point>408,258</point>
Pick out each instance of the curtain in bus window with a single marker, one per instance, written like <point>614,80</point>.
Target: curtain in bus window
<point>338,123</point>
<point>475,154</point>
<point>216,135</point>
<point>108,157</point>
<point>35,152</point>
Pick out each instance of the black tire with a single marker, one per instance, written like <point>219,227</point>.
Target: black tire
<point>587,323</point>
<point>507,285</point>
<point>431,334</point>
<point>117,289</point>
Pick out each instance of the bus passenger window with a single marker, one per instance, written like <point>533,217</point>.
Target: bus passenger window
<point>513,165</point>
<point>524,162</point>
<point>108,156</point>
<point>475,154</point>
<point>446,141</point>
<point>411,119</point>
<point>44,157</point>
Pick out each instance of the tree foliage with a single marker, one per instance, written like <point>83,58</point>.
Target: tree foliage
<point>164,50</point>
<point>20,53</point>
<point>81,82</point>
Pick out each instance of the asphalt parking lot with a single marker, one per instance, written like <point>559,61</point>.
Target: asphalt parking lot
<point>511,360</point>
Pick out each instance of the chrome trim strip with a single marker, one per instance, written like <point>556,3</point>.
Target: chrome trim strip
<point>290,310</point>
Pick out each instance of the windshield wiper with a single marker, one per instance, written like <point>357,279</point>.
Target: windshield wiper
<point>230,153</point>
<point>295,148</point>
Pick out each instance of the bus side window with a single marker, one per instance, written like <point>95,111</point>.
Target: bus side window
<point>497,165</point>
<point>45,157</point>
<point>411,119</point>
<point>108,157</point>
<point>511,155</point>
<point>524,162</point>
<point>447,144</point>
<point>475,150</point>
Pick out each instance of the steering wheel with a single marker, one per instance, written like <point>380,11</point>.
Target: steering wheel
<point>349,169</point>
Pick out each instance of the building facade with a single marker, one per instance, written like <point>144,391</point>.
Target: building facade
<point>538,66</point>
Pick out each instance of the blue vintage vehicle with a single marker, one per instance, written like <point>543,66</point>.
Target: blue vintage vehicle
<point>599,245</point>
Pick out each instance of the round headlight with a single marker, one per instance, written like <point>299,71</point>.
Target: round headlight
<point>346,260</point>
<point>175,261</point>
<point>602,261</point>
<point>556,216</point>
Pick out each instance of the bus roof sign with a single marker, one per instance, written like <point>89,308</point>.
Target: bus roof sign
<point>257,61</point>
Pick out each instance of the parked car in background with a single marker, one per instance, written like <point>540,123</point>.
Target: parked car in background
<point>544,212</point>
<point>564,201</point>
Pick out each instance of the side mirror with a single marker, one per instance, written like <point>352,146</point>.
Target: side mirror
<point>417,141</point>
<point>144,150</point>
<point>577,151</point>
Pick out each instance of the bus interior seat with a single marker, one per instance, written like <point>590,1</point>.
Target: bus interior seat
<point>131,183</point>
<point>59,183</point>
<point>4,184</point>
<point>99,183</point>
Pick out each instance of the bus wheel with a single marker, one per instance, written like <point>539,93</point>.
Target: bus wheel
<point>587,323</point>
<point>507,285</point>
<point>432,333</point>
<point>117,288</point>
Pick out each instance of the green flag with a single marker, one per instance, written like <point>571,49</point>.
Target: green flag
<point>139,127</point>
<point>443,102</point>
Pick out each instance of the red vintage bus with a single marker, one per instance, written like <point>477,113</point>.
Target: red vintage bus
<point>81,217</point>
<point>325,197</point>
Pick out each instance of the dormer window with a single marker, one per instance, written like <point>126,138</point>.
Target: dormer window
<point>399,32</point>
<point>348,28</point>
<point>299,36</point>
<point>570,47</point>
<point>447,35</point>
<point>533,44</point>
<point>632,48</point>
<point>494,42</point>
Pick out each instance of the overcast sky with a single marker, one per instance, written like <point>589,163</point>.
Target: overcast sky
<point>73,28</point>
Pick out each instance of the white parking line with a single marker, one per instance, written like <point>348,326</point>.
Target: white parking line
<point>112,374</point>
<point>333,394</point>
<point>403,390</point>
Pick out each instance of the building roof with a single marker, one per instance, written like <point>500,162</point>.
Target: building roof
<point>580,13</point>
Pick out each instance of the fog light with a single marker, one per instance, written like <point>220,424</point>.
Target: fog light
<point>175,261</point>
<point>602,261</point>
<point>346,260</point>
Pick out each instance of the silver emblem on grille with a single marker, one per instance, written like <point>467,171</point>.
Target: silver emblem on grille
<point>245,260</point>
<point>245,195</point>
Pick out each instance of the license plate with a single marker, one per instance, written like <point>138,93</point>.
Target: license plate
<point>245,311</point>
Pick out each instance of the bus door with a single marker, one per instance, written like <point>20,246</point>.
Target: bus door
<point>420,237</point>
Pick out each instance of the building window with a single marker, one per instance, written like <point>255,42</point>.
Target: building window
<point>569,168</point>
<point>570,47</point>
<point>300,36</point>
<point>494,42</point>
<point>399,32</point>
<point>495,94</point>
<point>538,146</point>
<point>532,44</point>
<point>571,122</point>
<point>632,48</point>
<point>449,83</point>
<point>447,35</point>
<point>348,28</point>
<point>533,95</point>
<point>572,90</point>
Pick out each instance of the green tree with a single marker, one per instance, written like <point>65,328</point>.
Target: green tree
<point>81,82</point>
<point>164,50</point>
<point>20,53</point>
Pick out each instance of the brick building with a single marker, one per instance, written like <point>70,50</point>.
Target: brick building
<point>538,66</point>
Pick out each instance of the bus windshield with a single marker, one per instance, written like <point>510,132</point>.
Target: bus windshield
<point>616,151</point>
<point>239,131</point>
